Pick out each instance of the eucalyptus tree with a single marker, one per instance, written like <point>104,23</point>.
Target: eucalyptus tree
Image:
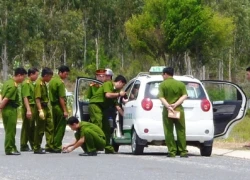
<point>169,29</point>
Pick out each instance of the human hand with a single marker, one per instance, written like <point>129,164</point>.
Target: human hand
<point>64,148</point>
<point>69,149</point>
<point>65,114</point>
<point>169,107</point>
<point>41,114</point>
<point>122,93</point>
<point>124,100</point>
<point>173,106</point>
<point>28,114</point>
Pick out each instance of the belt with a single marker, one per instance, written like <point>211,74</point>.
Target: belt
<point>13,104</point>
<point>44,104</point>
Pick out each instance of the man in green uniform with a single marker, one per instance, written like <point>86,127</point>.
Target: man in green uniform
<point>106,97</point>
<point>109,74</point>
<point>43,121</point>
<point>9,105</point>
<point>172,93</point>
<point>28,110</point>
<point>89,136</point>
<point>57,96</point>
<point>93,87</point>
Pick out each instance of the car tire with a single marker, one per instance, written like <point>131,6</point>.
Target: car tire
<point>206,150</point>
<point>135,147</point>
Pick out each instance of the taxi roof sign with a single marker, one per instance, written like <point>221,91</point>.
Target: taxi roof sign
<point>156,69</point>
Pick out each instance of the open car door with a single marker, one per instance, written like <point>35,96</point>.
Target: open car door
<point>81,99</point>
<point>229,104</point>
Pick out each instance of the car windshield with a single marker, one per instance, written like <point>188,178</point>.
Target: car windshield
<point>194,90</point>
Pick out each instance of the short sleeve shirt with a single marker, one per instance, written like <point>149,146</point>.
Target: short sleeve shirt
<point>99,96</point>
<point>56,89</point>
<point>27,90</point>
<point>171,90</point>
<point>10,91</point>
<point>93,87</point>
<point>41,90</point>
<point>88,127</point>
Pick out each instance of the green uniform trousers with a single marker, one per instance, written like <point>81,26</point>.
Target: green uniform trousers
<point>168,125</point>
<point>9,115</point>
<point>93,142</point>
<point>96,115</point>
<point>44,126</point>
<point>99,117</point>
<point>59,122</point>
<point>107,130</point>
<point>28,128</point>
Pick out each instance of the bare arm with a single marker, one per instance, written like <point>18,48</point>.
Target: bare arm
<point>75,145</point>
<point>164,102</point>
<point>69,145</point>
<point>115,95</point>
<point>63,105</point>
<point>27,106</point>
<point>179,101</point>
<point>3,102</point>
<point>38,103</point>
<point>112,95</point>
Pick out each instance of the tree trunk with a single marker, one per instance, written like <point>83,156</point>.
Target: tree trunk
<point>44,56</point>
<point>188,63</point>
<point>85,42</point>
<point>64,57</point>
<point>97,51</point>
<point>5,61</point>
<point>4,50</point>
<point>229,65</point>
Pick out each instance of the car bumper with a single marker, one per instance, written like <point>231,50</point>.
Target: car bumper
<point>199,131</point>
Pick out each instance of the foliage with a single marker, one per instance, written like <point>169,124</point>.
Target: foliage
<point>171,28</point>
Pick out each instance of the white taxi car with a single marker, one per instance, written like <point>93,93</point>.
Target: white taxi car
<point>211,110</point>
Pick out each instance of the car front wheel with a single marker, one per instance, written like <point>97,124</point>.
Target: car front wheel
<point>136,148</point>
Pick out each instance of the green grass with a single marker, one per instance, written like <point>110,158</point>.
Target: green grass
<point>241,131</point>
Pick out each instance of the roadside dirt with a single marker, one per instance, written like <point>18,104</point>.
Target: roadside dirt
<point>231,145</point>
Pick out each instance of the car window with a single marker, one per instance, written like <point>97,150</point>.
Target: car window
<point>84,88</point>
<point>194,90</point>
<point>134,91</point>
<point>221,92</point>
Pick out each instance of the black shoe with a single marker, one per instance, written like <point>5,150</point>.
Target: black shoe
<point>41,151</point>
<point>27,149</point>
<point>89,154</point>
<point>57,151</point>
<point>184,156</point>
<point>13,153</point>
<point>48,150</point>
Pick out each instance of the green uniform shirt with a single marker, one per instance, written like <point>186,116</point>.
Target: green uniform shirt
<point>56,89</point>
<point>10,91</point>
<point>85,127</point>
<point>41,90</point>
<point>99,96</point>
<point>27,90</point>
<point>172,90</point>
<point>93,87</point>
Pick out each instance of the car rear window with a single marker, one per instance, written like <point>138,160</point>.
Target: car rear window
<point>194,90</point>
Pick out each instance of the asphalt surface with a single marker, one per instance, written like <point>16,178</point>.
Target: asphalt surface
<point>123,166</point>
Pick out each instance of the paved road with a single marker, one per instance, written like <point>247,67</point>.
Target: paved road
<point>123,166</point>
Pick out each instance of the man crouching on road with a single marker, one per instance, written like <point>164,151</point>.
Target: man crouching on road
<point>89,136</point>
